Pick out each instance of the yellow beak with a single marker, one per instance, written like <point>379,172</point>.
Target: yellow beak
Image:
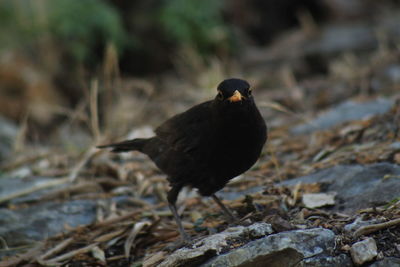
<point>237,96</point>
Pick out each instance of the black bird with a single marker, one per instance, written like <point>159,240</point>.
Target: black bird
<point>207,145</point>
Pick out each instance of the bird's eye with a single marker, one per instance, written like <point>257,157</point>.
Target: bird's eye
<point>249,92</point>
<point>220,95</point>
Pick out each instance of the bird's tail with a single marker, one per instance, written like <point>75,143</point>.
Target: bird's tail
<point>128,145</point>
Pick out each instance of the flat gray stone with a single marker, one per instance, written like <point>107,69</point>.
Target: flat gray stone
<point>216,244</point>
<point>357,186</point>
<point>346,111</point>
<point>25,226</point>
<point>341,260</point>
<point>387,262</point>
<point>338,38</point>
<point>282,249</point>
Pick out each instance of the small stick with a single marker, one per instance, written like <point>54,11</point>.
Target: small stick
<point>107,237</point>
<point>132,236</point>
<point>86,157</point>
<point>69,255</point>
<point>364,230</point>
<point>34,188</point>
<point>94,116</point>
<point>57,248</point>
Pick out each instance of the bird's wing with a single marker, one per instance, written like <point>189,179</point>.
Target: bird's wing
<point>189,131</point>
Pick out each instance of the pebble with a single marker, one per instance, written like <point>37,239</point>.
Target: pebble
<point>363,251</point>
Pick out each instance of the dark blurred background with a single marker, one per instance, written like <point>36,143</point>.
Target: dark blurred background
<point>143,61</point>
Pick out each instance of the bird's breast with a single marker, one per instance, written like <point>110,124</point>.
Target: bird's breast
<point>239,147</point>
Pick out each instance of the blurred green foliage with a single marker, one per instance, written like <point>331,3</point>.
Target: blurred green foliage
<point>75,27</point>
<point>80,25</point>
<point>80,30</point>
<point>197,23</point>
<point>16,23</point>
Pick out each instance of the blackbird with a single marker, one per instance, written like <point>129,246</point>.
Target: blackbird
<point>207,145</point>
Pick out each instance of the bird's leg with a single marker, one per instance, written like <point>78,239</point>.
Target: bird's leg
<point>227,212</point>
<point>172,197</point>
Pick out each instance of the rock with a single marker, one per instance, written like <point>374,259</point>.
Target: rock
<point>392,73</point>
<point>358,223</point>
<point>357,186</point>
<point>338,38</point>
<point>25,226</point>
<point>395,145</point>
<point>387,262</point>
<point>8,133</point>
<point>363,251</point>
<point>258,230</point>
<point>331,40</point>
<point>210,246</point>
<point>334,39</point>
<point>316,200</point>
<point>282,249</point>
<point>341,260</point>
<point>343,112</point>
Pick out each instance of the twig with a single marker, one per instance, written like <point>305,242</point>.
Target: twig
<point>94,116</point>
<point>278,107</point>
<point>275,162</point>
<point>17,259</point>
<point>3,243</point>
<point>115,258</point>
<point>117,219</point>
<point>132,236</point>
<point>364,230</point>
<point>107,237</point>
<point>34,188</point>
<point>25,160</point>
<point>129,215</point>
<point>369,210</point>
<point>66,256</point>
<point>21,135</point>
<point>57,248</point>
<point>79,187</point>
<point>86,157</point>
<point>247,216</point>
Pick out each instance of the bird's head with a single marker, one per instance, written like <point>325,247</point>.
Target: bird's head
<point>234,91</point>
